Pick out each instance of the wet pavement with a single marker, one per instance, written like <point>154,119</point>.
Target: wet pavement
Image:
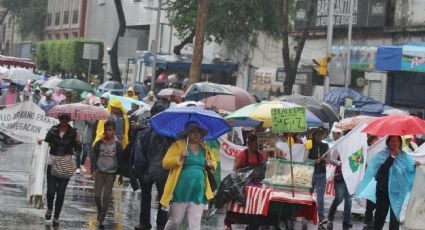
<point>79,210</point>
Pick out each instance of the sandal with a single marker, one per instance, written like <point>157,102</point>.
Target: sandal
<point>48,215</point>
<point>55,222</point>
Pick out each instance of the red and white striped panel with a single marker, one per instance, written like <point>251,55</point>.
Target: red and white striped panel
<point>257,202</point>
<point>298,198</point>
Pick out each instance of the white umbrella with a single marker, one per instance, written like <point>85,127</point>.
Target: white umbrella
<point>20,75</point>
<point>52,83</point>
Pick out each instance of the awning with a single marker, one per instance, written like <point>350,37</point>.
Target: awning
<point>408,57</point>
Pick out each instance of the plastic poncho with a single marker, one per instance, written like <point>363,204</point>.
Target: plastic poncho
<point>134,94</point>
<point>401,177</point>
<point>99,130</point>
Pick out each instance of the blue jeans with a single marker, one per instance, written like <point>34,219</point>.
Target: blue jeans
<point>319,184</point>
<point>341,193</point>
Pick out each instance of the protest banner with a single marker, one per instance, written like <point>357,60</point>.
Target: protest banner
<point>289,120</point>
<point>228,152</point>
<point>419,154</point>
<point>25,122</point>
<point>36,177</point>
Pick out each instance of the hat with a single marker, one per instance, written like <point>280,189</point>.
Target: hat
<point>48,93</point>
<point>189,127</point>
<point>158,107</point>
<point>105,95</point>
<point>151,93</point>
<point>335,129</point>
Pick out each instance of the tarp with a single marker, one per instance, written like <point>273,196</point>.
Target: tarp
<point>407,57</point>
<point>363,104</point>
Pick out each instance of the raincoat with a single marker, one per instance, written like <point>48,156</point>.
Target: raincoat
<point>99,129</point>
<point>171,162</point>
<point>135,97</point>
<point>401,177</point>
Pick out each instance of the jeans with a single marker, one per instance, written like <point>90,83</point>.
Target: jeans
<point>319,184</point>
<point>81,156</point>
<point>103,185</point>
<point>382,206</point>
<point>341,193</point>
<point>192,211</point>
<point>145,206</point>
<point>55,186</point>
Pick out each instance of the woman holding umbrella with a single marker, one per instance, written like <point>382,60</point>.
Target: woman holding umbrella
<point>187,187</point>
<point>394,171</point>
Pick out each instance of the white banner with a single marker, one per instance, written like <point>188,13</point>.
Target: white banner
<point>419,154</point>
<point>25,122</point>
<point>36,179</point>
<point>228,152</point>
<point>415,212</point>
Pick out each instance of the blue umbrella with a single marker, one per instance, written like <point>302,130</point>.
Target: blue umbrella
<point>173,120</point>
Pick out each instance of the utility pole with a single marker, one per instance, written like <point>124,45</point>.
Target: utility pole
<point>329,37</point>
<point>350,31</point>
<point>198,50</point>
<point>155,45</point>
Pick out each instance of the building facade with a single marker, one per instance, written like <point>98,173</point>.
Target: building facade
<point>66,19</point>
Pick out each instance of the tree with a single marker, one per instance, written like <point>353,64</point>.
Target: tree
<point>232,22</point>
<point>113,53</point>
<point>198,51</point>
<point>31,15</point>
<point>291,66</point>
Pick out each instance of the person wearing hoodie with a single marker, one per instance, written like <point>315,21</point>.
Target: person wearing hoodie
<point>131,94</point>
<point>118,115</point>
<point>150,99</point>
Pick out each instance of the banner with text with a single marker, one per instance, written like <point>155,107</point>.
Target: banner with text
<point>291,120</point>
<point>25,122</point>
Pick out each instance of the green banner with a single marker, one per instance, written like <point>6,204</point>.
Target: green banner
<point>289,120</point>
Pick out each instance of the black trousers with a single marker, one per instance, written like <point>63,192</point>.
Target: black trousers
<point>368,216</point>
<point>145,206</point>
<point>55,187</point>
<point>382,206</point>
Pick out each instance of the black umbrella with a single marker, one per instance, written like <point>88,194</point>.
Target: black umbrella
<point>201,90</point>
<point>321,109</point>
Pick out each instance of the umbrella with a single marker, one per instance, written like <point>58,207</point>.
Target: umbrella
<point>255,114</point>
<point>191,103</point>
<point>352,122</point>
<point>321,109</point>
<point>111,86</point>
<point>398,125</point>
<point>79,111</point>
<point>75,84</point>
<point>173,120</point>
<point>201,90</point>
<point>230,103</point>
<point>3,70</point>
<point>20,75</point>
<point>138,87</point>
<point>126,101</point>
<point>394,111</point>
<point>52,83</point>
<point>167,92</point>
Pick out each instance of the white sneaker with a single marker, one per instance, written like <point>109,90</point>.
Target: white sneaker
<point>77,171</point>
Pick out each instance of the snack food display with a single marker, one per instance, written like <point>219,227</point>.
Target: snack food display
<point>278,173</point>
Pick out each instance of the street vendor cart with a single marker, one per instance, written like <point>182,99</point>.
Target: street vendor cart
<point>277,202</point>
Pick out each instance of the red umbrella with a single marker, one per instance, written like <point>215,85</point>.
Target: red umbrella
<point>79,111</point>
<point>230,103</point>
<point>398,125</point>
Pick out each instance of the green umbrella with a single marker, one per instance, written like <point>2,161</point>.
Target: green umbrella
<point>75,84</point>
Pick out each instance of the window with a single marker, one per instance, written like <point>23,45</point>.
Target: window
<point>49,37</point>
<point>65,35</point>
<point>49,20</point>
<point>74,34</point>
<point>57,18</point>
<point>57,36</point>
<point>75,14</point>
<point>3,35</point>
<point>65,17</point>
<point>9,22</point>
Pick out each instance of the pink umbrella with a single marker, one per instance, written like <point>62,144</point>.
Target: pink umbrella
<point>230,103</point>
<point>167,92</point>
<point>79,111</point>
<point>58,95</point>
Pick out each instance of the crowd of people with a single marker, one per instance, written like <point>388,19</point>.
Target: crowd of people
<point>125,145</point>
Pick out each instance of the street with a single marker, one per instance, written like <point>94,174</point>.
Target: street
<point>79,211</point>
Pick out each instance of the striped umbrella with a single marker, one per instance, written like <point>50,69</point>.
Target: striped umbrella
<point>20,75</point>
<point>352,122</point>
<point>79,111</point>
<point>255,114</point>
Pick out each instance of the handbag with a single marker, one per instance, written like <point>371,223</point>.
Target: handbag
<point>210,175</point>
<point>63,166</point>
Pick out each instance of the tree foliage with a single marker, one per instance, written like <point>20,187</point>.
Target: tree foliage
<point>67,56</point>
<point>31,15</point>
<point>234,21</point>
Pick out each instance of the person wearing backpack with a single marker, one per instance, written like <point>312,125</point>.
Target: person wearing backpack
<point>105,166</point>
